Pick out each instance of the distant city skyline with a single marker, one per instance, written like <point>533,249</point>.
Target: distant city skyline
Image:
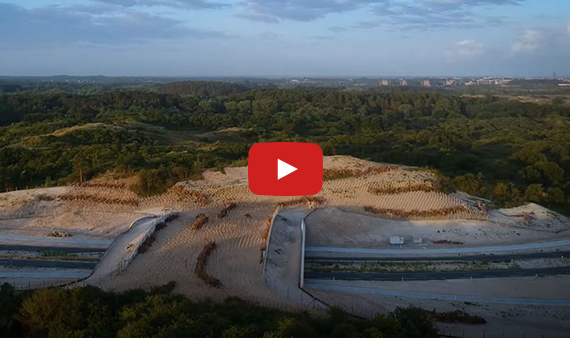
<point>285,38</point>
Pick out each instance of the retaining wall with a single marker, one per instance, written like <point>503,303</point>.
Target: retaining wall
<point>275,213</point>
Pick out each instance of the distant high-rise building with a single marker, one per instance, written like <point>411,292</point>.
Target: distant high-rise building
<point>450,82</point>
<point>403,82</point>
<point>426,83</point>
<point>484,82</point>
<point>554,75</point>
<point>384,82</point>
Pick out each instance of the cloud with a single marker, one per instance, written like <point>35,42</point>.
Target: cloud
<point>337,29</point>
<point>300,10</point>
<point>454,4</point>
<point>397,14</point>
<point>439,14</point>
<point>528,41</point>
<point>271,36</point>
<point>56,25</point>
<point>194,4</point>
<point>366,25</point>
<point>259,17</point>
<point>465,49</point>
<point>321,37</point>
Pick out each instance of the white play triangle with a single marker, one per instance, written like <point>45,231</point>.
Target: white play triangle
<point>284,169</point>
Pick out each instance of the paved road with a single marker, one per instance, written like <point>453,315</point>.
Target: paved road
<point>486,258</point>
<point>436,296</point>
<point>410,276</point>
<point>35,248</point>
<point>446,251</point>
<point>68,241</point>
<point>77,274</point>
<point>44,263</point>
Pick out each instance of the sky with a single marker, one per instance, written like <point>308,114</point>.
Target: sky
<point>285,38</point>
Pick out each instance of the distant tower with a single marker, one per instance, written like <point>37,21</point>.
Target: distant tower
<point>554,75</point>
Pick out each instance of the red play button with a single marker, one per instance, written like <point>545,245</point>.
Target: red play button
<point>285,169</point>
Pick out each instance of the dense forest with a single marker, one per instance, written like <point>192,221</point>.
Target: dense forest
<point>91,312</point>
<point>505,150</point>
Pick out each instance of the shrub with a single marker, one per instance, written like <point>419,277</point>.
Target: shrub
<point>200,220</point>
<point>200,268</point>
<point>224,212</point>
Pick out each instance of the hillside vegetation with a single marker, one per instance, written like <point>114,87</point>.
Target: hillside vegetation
<point>505,150</point>
<point>91,312</point>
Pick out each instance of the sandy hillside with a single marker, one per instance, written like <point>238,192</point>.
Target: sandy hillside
<point>361,203</point>
<point>333,226</point>
<point>106,207</point>
<point>29,202</point>
<point>352,185</point>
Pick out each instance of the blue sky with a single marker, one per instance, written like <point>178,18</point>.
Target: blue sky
<point>285,37</point>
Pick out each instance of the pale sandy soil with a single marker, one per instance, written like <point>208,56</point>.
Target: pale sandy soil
<point>107,210</point>
<point>30,203</point>
<point>37,212</point>
<point>335,227</point>
<point>541,218</point>
<point>78,222</point>
<point>235,261</point>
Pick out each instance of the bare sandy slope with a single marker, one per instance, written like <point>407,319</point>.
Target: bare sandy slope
<point>37,212</point>
<point>78,222</point>
<point>106,208</point>
<point>29,202</point>
<point>235,261</point>
<point>537,218</point>
<point>332,226</point>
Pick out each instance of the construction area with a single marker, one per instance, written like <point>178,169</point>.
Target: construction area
<point>376,237</point>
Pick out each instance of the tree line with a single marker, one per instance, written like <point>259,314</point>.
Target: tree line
<point>505,150</point>
<point>91,312</point>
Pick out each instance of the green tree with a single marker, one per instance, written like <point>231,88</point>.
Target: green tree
<point>556,195</point>
<point>534,193</point>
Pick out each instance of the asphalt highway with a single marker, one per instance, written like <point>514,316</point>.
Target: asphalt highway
<point>484,258</point>
<point>44,263</point>
<point>437,296</point>
<point>436,275</point>
<point>34,248</point>
<point>442,251</point>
